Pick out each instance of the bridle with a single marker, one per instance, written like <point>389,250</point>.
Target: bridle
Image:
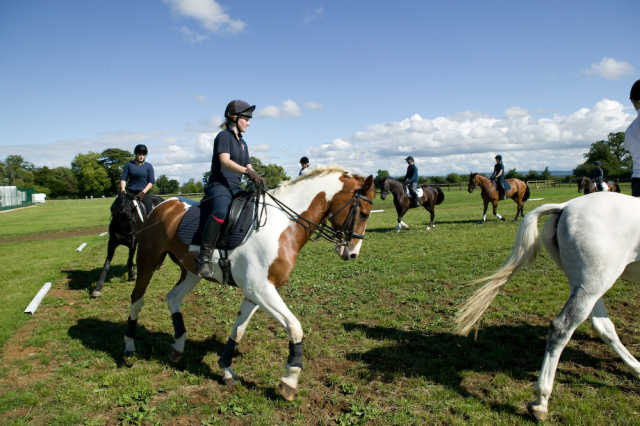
<point>341,236</point>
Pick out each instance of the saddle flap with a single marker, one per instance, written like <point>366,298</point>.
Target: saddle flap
<point>240,221</point>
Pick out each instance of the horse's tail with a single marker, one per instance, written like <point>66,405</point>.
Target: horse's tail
<point>440,197</point>
<point>524,251</point>
<point>527,193</point>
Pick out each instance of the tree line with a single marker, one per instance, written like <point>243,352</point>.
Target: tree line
<point>98,174</point>
<point>615,161</point>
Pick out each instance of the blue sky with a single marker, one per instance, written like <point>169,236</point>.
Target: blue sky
<point>356,83</point>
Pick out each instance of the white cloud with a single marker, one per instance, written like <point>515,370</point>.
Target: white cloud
<point>313,106</point>
<point>288,108</point>
<point>610,69</point>
<point>468,141</point>
<point>314,15</point>
<point>208,13</point>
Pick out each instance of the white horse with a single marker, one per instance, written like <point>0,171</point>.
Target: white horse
<point>595,239</point>
<point>263,263</point>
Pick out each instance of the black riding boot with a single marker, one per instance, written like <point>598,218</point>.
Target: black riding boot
<point>209,238</point>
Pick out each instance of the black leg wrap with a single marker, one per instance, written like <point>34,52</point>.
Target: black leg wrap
<point>178,324</point>
<point>131,328</point>
<point>295,354</point>
<point>227,354</point>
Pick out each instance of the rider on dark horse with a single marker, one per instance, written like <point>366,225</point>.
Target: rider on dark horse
<point>230,161</point>
<point>598,176</point>
<point>411,179</point>
<point>498,177</point>
<point>138,178</point>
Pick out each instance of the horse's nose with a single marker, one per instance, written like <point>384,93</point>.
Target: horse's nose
<point>353,255</point>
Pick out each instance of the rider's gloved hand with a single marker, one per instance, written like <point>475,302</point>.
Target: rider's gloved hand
<point>140,195</point>
<point>255,177</point>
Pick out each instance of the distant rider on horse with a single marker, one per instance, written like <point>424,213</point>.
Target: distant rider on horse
<point>230,161</point>
<point>598,176</point>
<point>411,179</point>
<point>138,178</point>
<point>498,177</point>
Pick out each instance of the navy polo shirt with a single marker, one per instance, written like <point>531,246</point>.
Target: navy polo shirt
<point>137,175</point>
<point>226,142</point>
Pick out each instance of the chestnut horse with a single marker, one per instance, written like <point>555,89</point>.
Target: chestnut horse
<point>519,193</point>
<point>431,197</point>
<point>263,262</point>
<point>595,240</point>
<point>587,186</point>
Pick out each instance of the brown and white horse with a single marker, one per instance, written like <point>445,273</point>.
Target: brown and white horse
<point>431,197</point>
<point>587,186</point>
<point>519,193</point>
<point>264,262</point>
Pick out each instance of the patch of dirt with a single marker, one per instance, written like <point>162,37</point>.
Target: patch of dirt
<point>54,235</point>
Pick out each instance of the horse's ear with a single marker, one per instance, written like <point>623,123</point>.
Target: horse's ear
<point>368,184</point>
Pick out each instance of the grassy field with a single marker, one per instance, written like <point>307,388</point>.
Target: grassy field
<point>379,346</point>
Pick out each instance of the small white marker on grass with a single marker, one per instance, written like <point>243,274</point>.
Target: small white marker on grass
<point>377,211</point>
<point>535,199</point>
<point>37,299</point>
<point>81,246</point>
<point>102,235</point>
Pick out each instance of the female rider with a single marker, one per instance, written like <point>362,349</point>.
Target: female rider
<point>138,178</point>
<point>230,161</point>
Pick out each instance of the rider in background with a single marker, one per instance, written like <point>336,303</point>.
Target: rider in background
<point>632,139</point>
<point>304,164</point>
<point>598,176</point>
<point>498,177</point>
<point>229,162</point>
<point>411,178</point>
<point>138,177</point>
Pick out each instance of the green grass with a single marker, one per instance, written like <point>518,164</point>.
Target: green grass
<point>379,346</point>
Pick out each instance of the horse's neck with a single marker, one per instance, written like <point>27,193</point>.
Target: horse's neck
<point>396,188</point>
<point>299,196</point>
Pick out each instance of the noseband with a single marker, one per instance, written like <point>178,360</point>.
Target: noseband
<point>345,233</point>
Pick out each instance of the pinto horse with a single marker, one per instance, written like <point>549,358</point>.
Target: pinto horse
<point>519,193</point>
<point>431,197</point>
<point>587,186</point>
<point>261,264</point>
<point>127,213</point>
<point>595,240</point>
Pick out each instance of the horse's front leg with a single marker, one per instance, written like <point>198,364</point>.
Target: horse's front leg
<point>111,249</point>
<point>130,266</point>
<point>432,215</point>
<point>247,309</point>
<point>495,210</point>
<point>484,211</point>
<point>269,299</point>
<point>187,282</point>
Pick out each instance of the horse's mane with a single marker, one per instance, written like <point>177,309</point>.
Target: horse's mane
<point>315,172</point>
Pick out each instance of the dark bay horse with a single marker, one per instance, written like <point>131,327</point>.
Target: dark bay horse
<point>519,193</point>
<point>127,214</point>
<point>431,197</point>
<point>587,186</point>
<point>292,213</point>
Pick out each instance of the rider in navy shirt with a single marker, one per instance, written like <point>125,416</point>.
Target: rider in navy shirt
<point>598,176</point>
<point>138,177</point>
<point>230,161</point>
<point>498,177</point>
<point>411,177</point>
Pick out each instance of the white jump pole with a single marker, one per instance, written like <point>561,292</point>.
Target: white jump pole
<point>377,211</point>
<point>102,235</point>
<point>31,309</point>
<point>81,246</point>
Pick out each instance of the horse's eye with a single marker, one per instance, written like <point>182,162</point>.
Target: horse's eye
<point>364,216</point>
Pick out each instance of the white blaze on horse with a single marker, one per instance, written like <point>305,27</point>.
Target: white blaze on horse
<point>264,262</point>
<point>427,197</point>
<point>595,239</point>
<point>519,193</point>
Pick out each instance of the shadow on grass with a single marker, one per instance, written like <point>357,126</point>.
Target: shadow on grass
<point>442,357</point>
<point>86,280</point>
<point>107,337</point>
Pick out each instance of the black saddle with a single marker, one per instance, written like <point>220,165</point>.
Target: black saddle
<point>242,216</point>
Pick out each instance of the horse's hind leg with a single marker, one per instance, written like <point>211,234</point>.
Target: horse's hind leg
<point>432,215</point>
<point>247,309</point>
<point>111,249</point>
<point>495,210</point>
<point>186,283</point>
<point>575,311</point>
<point>607,331</point>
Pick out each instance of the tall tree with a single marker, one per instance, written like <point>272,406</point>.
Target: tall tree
<point>18,171</point>
<point>166,185</point>
<point>614,158</point>
<point>113,160</point>
<point>92,177</point>
<point>272,173</point>
<point>380,177</point>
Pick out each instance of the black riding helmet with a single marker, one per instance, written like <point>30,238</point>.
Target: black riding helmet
<point>238,108</point>
<point>140,149</point>
<point>499,157</point>
<point>409,158</point>
<point>634,95</point>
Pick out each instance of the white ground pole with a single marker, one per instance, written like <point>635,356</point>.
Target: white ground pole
<point>535,199</point>
<point>31,309</point>
<point>81,246</point>
<point>377,211</point>
<point>102,235</point>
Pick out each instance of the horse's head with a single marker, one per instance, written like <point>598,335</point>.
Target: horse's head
<point>385,189</point>
<point>581,183</point>
<point>472,182</point>
<point>349,212</point>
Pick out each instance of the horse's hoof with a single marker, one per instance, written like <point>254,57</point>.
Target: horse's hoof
<point>286,391</point>
<point>175,356</point>
<point>537,411</point>
<point>129,358</point>
<point>96,293</point>
<point>229,381</point>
